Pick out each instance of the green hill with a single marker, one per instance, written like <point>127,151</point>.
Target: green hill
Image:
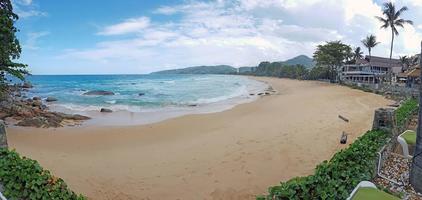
<point>300,60</point>
<point>219,69</point>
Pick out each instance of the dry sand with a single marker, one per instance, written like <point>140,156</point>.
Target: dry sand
<point>235,154</point>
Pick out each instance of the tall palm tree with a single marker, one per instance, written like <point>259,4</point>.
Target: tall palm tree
<point>357,54</point>
<point>416,169</point>
<point>370,42</point>
<point>393,20</point>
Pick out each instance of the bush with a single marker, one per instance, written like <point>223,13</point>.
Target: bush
<point>408,108</point>
<point>335,179</point>
<point>23,178</point>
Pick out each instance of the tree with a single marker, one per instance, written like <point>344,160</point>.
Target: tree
<point>357,54</point>
<point>370,42</point>
<point>393,20</point>
<point>332,55</point>
<point>10,49</point>
<point>416,169</point>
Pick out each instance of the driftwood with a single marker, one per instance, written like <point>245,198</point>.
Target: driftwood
<point>343,139</point>
<point>343,118</point>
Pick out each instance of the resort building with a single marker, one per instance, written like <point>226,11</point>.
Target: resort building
<point>371,71</point>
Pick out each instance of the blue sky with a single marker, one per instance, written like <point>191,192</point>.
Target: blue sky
<point>141,36</point>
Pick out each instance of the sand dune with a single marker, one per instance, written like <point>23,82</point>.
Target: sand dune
<point>234,154</point>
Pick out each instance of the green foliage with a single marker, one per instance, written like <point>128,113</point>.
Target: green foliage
<point>218,69</point>
<point>332,55</point>
<point>408,108</point>
<point>9,45</point>
<point>24,178</point>
<point>335,179</point>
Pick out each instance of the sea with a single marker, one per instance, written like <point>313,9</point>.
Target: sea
<point>141,99</point>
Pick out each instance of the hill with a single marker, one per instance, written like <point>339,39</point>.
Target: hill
<point>218,69</point>
<point>300,60</point>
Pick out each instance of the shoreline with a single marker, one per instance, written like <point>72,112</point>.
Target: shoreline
<point>136,115</point>
<point>234,154</point>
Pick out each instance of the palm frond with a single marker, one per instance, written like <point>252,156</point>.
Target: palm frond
<point>399,12</point>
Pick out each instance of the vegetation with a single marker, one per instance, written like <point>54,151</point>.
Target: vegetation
<point>10,49</point>
<point>332,55</point>
<point>357,54</point>
<point>23,178</point>
<point>370,42</point>
<point>335,179</point>
<point>393,20</point>
<point>219,69</point>
<point>406,110</point>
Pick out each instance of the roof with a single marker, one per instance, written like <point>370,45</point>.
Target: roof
<point>380,62</point>
<point>416,72</point>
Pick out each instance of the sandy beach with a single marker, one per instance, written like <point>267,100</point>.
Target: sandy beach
<point>234,154</point>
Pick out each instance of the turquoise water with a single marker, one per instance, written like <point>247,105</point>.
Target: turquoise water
<point>160,91</point>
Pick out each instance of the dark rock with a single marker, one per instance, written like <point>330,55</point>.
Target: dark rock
<point>36,103</point>
<point>260,94</point>
<point>343,139</point>
<point>73,117</point>
<point>141,94</point>
<point>106,110</point>
<point>252,94</point>
<point>51,99</point>
<point>36,98</point>
<point>27,85</point>
<point>193,105</point>
<point>99,92</point>
<point>3,138</point>
<point>33,122</point>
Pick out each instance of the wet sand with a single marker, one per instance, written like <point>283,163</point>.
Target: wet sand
<point>234,154</point>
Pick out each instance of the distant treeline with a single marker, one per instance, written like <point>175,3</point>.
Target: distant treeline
<point>277,69</point>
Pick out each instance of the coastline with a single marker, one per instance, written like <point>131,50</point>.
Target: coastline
<point>137,115</point>
<point>234,154</point>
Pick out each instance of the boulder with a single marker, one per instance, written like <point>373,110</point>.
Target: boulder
<point>99,92</point>
<point>36,103</point>
<point>141,94</point>
<point>36,98</point>
<point>27,85</point>
<point>3,138</point>
<point>33,122</point>
<point>51,99</point>
<point>73,117</point>
<point>106,110</point>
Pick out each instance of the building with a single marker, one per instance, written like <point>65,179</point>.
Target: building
<point>374,71</point>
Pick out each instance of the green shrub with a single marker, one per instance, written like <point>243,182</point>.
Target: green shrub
<point>336,178</point>
<point>408,108</point>
<point>24,178</point>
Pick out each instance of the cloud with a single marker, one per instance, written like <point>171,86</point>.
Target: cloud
<point>31,42</point>
<point>131,25</point>
<point>240,33</point>
<point>26,9</point>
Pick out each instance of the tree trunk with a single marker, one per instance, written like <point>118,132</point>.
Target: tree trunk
<point>416,170</point>
<point>390,72</point>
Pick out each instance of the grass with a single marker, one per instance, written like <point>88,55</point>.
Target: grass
<point>372,194</point>
<point>409,136</point>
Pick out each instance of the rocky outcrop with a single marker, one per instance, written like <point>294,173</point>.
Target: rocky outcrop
<point>3,138</point>
<point>51,99</point>
<point>141,94</point>
<point>106,110</point>
<point>27,85</point>
<point>34,113</point>
<point>99,92</point>
<point>36,98</point>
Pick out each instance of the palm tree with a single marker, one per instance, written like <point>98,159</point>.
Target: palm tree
<point>357,54</point>
<point>416,169</point>
<point>370,42</point>
<point>393,20</point>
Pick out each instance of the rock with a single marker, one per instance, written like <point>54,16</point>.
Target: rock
<point>106,110</point>
<point>36,103</point>
<point>141,94</point>
<point>99,92</point>
<point>193,105</point>
<point>73,117</point>
<point>3,138</point>
<point>3,115</point>
<point>260,94</point>
<point>32,122</point>
<point>27,85</point>
<point>36,98</point>
<point>251,94</point>
<point>51,99</point>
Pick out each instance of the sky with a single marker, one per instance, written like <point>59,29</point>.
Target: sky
<point>142,36</point>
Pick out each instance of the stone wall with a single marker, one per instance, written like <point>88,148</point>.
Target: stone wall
<point>3,138</point>
<point>396,91</point>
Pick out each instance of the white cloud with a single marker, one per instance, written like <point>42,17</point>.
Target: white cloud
<point>26,8</point>
<point>31,42</point>
<point>241,33</point>
<point>128,26</point>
